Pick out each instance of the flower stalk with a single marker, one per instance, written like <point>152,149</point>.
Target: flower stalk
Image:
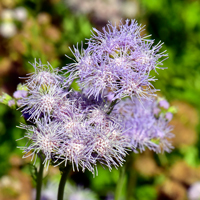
<point>39,179</point>
<point>64,175</point>
<point>120,183</point>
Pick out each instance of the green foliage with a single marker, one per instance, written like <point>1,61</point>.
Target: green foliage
<point>105,181</point>
<point>146,192</point>
<point>9,119</point>
<point>5,98</point>
<point>177,24</point>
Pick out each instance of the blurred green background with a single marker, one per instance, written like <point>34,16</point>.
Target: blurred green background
<point>46,29</point>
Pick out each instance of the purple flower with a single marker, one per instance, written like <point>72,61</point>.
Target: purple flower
<point>44,137</point>
<point>19,94</point>
<point>169,116</point>
<point>144,128</point>
<point>75,151</point>
<point>110,145</point>
<point>42,101</point>
<point>164,104</point>
<point>117,61</point>
<point>11,102</point>
<point>44,76</point>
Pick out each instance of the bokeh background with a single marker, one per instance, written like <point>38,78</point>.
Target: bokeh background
<point>45,29</point>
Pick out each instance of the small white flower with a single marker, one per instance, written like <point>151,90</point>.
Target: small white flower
<point>20,13</point>
<point>8,29</point>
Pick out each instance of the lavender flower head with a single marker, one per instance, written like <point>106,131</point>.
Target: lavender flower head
<point>44,137</point>
<point>45,92</point>
<point>43,76</point>
<point>146,124</point>
<point>19,94</point>
<point>117,60</point>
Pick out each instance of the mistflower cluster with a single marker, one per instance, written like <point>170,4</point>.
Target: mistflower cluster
<point>67,127</point>
<point>119,61</point>
<point>146,123</point>
<point>109,116</point>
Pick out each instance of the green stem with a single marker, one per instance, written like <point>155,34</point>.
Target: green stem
<point>131,185</point>
<point>39,180</point>
<point>132,176</point>
<point>64,175</point>
<point>112,106</point>
<point>120,183</point>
